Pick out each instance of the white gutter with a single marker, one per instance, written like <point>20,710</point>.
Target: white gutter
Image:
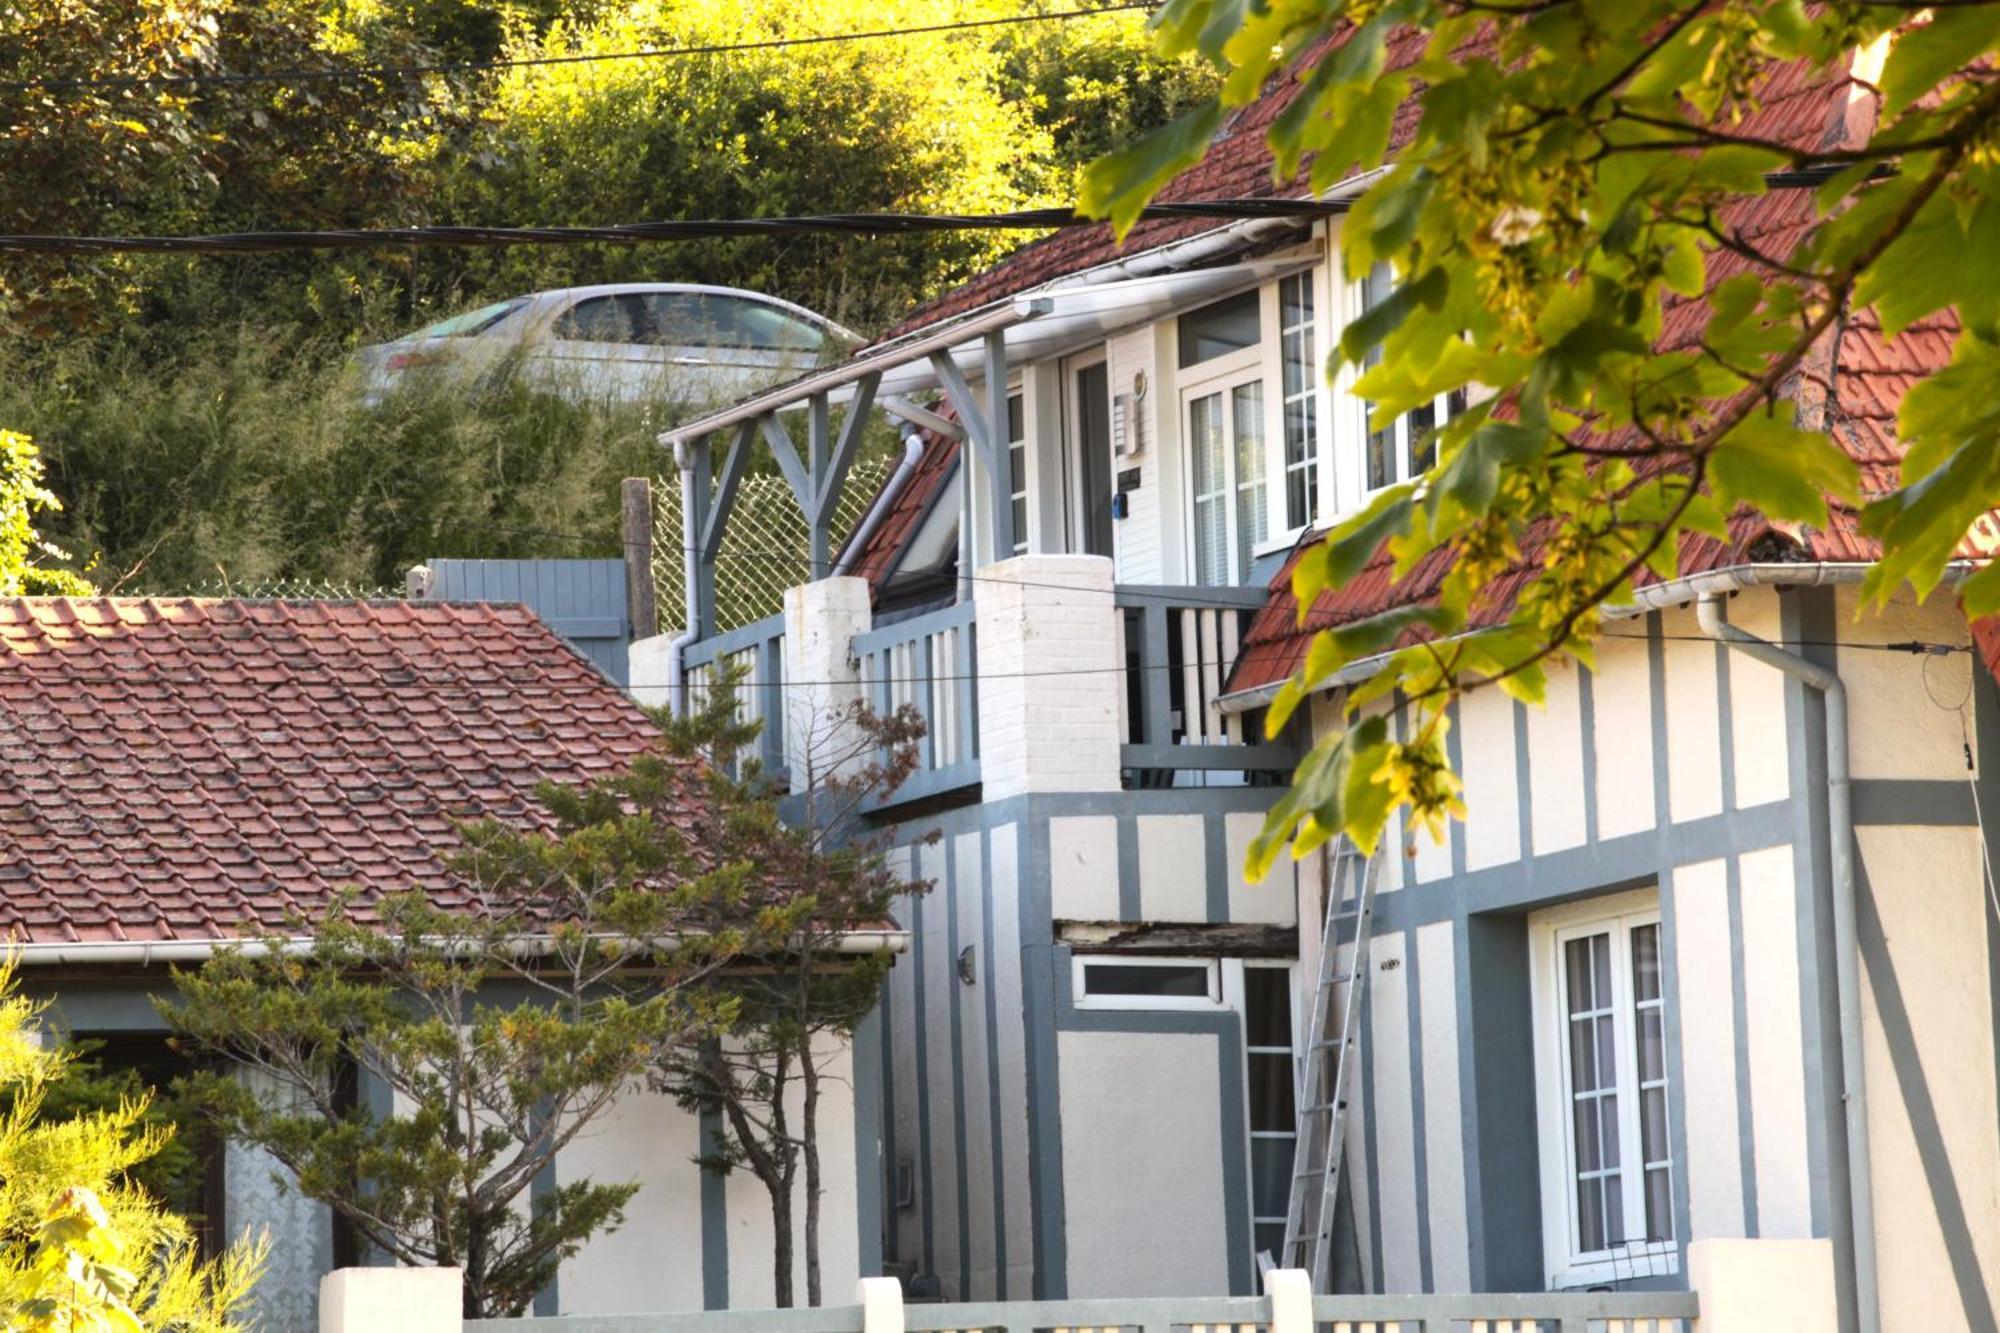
<point>913,450</point>
<point>198,951</point>
<point>1846,940</point>
<point>878,359</point>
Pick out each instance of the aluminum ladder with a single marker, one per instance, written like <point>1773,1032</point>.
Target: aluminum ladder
<point>1321,1100</point>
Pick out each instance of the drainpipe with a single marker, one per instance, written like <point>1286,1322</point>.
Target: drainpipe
<point>913,449</point>
<point>677,650</point>
<point>1846,946</point>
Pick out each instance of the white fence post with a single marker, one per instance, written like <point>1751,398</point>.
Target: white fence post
<point>391,1300</point>
<point>881,1305</point>
<point>1291,1293</point>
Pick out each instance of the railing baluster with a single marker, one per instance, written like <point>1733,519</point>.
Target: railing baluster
<point>1156,727</point>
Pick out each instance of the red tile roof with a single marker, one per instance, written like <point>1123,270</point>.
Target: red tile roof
<point>1867,376</point>
<point>177,770</point>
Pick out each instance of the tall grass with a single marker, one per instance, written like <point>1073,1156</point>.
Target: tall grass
<point>247,455</point>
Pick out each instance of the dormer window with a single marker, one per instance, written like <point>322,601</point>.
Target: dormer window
<point>1405,448</point>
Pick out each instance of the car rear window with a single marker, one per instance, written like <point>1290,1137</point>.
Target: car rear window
<point>471,322</point>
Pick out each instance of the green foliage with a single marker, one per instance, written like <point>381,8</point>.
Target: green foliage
<point>238,460</point>
<point>84,1246</point>
<point>22,497</point>
<point>1572,169</point>
<point>503,1026</point>
<point>821,876</point>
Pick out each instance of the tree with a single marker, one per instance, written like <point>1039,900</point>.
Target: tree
<point>83,1247</point>
<point>501,1025</point>
<point>22,496</point>
<point>1575,167</point>
<point>821,876</point>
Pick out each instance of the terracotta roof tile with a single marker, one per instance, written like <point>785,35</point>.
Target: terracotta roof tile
<point>184,769</point>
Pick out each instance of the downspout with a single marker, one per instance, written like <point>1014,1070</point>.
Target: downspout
<point>677,650</point>
<point>1846,946</point>
<point>913,450</point>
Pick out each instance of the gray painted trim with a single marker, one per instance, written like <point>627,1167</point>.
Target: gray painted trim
<point>864,1054</point>
<point>100,1006</point>
<point>1725,727</point>
<point>1227,1028</point>
<point>1038,983</point>
<point>1664,859</point>
<point>1215,866</point>
<point>1900,1037</point>
<point>1468,1121</point>
<point>892,1246</point>
<point>1746,1120</point>
<point>1935,803</point>
<point>1129,902</point>
<point>1987,738</point>
<point>714,1221</point>
<point>919,1016</point>
<point>1524,786</point>
<point>1420,1149</point>
<point>954,990</point>
<point>1455,746</point>
<point>994,1121</point>
<point>541,1192</point>
<point>1371,1155</point>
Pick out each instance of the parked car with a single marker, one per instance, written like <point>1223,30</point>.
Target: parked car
<point>624,342</point>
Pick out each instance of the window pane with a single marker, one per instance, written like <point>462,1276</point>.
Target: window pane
<point>1295,299</point>
<point>1646,963</point>
<point>602,319</point>
<point>1659,1205</point>
<point>1270,1176</point>
<point>1271,1091</point>
<point>1247,418</point>
<point>1211,519</point>
<point>1423,452</point>
<point>1653,1124</point>
<point>1589,1150</point>
<point>1614,1210</point>
<point>1270,1238</point>
<point>1301,400</point>
<point>1169,980</point>
<point>1589,1216</point>
<point>470,323</point>
<point>1576,966</point>
<point>1652,1059</point>
<point>1219,329</point>
<point>1267,1006</point>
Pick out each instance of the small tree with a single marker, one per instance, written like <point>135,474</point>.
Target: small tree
<point>502,1029</point>
<point>82,1247</point>
<point>820,875</point>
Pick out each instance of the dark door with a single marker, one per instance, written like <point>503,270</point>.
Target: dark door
<point>1093,455</point>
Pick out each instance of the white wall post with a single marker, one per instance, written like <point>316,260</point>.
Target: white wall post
<point>1291,1293</point>
<point>881,1304</point>
<point>1051,675</point>
<point>1764,1286</point>
<point>391,1300</point>
<point>821,676</point>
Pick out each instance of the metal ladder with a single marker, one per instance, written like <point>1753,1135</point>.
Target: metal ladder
<point>1322,1102</point>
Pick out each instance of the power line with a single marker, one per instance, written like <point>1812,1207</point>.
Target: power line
<point>668,230</point>
<point>322,74</point>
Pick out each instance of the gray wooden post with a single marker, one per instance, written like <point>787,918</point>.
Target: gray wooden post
<point>694,530</point>
<point>636,521</point>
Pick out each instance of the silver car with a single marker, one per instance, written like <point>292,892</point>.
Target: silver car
<point>626,342</point>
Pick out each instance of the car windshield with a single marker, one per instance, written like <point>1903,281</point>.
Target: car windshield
<point>469,323</point>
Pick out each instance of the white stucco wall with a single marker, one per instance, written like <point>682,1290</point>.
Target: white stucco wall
<point>1142,1164</point>
<point>654,1261</point>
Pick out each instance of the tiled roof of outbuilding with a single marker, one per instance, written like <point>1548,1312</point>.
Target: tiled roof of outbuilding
<point>184,770</point>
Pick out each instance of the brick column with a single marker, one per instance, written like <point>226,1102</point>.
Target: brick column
<point>1050,677</point>
<point>821,675</point>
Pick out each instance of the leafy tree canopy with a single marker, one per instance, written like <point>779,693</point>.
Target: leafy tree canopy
<point>1574,167</point>
<point>22,496</point>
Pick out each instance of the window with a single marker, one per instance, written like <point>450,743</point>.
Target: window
<point>1226,326</point>
<point>1601,1046</point>
<point>1267,1045</point>
<point>1299,375</point>
<point>732,321</point>
<point>471,322</point>
<point>1017,469</point>
<point>1403,448</point>
<point>1226,449</point>
<point>1104,982</point>
<point>603,319</point>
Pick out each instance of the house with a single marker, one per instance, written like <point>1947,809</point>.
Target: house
<point>175,771</point>
<point>1089,1056</point>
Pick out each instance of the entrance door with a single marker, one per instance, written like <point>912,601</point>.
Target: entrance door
<point>1090,451</point>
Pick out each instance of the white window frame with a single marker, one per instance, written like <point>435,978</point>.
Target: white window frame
<point>1081,998</point>
<point>1025,495</point>
<point>1548,931</point>
<point>1223,375</point>
<point>1284,532</point>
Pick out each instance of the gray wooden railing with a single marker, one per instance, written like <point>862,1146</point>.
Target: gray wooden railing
<point>758,647</point>
<point>931,663</point>
<point>1180,643</point>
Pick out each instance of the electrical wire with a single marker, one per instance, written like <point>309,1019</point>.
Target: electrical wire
<point>314,74</point>
<point>667,230</point>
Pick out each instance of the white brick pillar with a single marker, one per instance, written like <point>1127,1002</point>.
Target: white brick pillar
<point>821,675</point>
<point>1050,675</point>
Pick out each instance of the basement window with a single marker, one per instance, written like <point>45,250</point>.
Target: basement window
<point>1101,982</point>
